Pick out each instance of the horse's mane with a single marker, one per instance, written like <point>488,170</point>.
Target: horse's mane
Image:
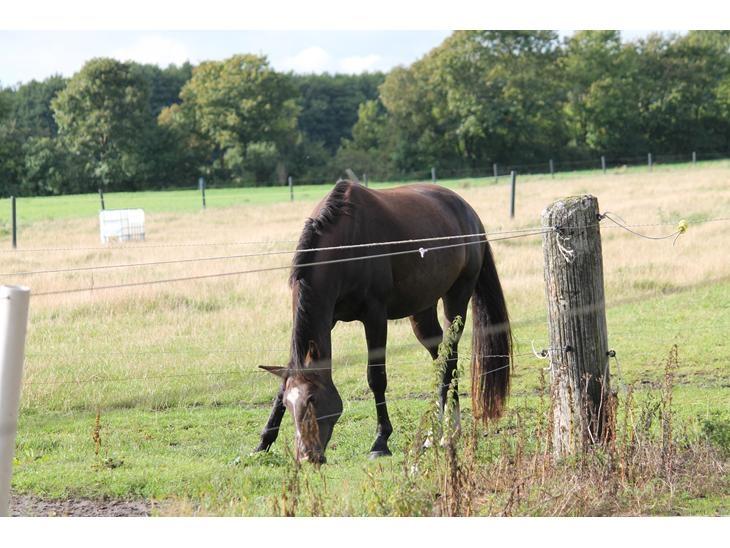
<point>335,206</point>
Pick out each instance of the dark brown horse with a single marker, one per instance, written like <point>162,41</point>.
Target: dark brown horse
<point>375,290</point>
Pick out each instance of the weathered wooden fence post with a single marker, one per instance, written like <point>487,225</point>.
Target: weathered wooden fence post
<point>552,169</point>
<point>694,158</point>
<point>648,159</point>
<point>603,164</point>
<point>576,323</point>
<point>291,189</point>
<point>433,175</point>
<point>496,172</point>
<point>201,186</point>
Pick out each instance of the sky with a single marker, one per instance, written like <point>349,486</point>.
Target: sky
<point>39,54</point>
<point>39,38</point>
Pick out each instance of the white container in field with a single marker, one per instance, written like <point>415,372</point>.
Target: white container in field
<point>121,224</point>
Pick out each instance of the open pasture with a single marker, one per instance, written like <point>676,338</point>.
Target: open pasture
<point>170,369</point>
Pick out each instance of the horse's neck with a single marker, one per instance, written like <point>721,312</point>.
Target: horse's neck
<point>312,322</point>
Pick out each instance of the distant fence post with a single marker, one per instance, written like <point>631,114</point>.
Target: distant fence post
<point>552,169</point>
<point>13,325</point>
<point>14,221</point>
<point>694,158</point>
<point>496,173</point>
<point>648,159</point>
<point>433,175</point>
<point>603,164</point>
<point>201,186</point>
<point>101,199</point>
<point>576,324</point>
<point>291,189</point>
<point>365,178</point>
<point>513,185</point>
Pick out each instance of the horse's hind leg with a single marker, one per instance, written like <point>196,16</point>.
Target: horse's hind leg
<point>456,303</point>
<point>271,430</point>
<point>376,333</point>
<point>429,332</point>
<point>427,329</point>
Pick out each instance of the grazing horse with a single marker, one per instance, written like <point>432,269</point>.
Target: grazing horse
<point>389,286</point>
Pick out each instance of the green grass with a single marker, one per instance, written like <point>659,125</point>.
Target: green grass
<point>46,208</point>
<point>172,369</point>
<point>187,439</point>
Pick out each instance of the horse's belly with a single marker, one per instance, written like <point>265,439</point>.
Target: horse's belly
<point>418,286</point>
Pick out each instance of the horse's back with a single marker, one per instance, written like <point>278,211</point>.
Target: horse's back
<point>409,282</point>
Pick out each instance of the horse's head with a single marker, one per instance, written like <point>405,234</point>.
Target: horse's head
<point>313,400</point>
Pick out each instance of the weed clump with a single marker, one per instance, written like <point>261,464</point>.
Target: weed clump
<point>646,466</point>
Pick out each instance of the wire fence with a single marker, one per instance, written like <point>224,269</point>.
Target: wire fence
<point>474,239</point>
<point>420,250</point>
<point>528,361</point>
<point>314,189</point>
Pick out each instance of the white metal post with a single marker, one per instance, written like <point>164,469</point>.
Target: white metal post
<point>13,325</point>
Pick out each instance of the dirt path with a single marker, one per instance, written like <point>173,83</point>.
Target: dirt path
<point>31,506</point>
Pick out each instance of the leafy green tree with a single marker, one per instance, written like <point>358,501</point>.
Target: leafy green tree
<point>48,168</point>
<point>257,162</point>
<point>235,103</point>
<point>590,56</point>
<point>11,160</point>
<point>368,152</point>
<point>32,106</point>
<point>183,151</point>
<point>11,143</point>
<point>415,111</point>
<point>329,104</point>
<point>681,95</point>
<point>165,84</point>
<point>103,116</point>
<point>504,93</point>
<point>481,96</point>
<point>602,110</point>
<point>7,99</point>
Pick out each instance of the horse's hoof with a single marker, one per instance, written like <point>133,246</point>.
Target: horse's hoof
<point>377,454</point>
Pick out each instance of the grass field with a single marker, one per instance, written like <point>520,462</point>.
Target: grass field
<point>46,208</point>
<point>171,368</point>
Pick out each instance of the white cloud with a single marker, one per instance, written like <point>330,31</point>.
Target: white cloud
<point>311,59</point>
<point>154,50</point>
<point>359,63</point>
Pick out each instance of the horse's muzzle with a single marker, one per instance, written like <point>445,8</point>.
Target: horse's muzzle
<point>316,458</point>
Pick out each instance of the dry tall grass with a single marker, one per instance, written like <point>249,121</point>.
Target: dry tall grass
<point>660,197</point>
<point>251,313</point>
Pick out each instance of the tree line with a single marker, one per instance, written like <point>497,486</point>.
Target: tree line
<point>479,97</point>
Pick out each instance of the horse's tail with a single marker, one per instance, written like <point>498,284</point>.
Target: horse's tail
<point>491,352</point>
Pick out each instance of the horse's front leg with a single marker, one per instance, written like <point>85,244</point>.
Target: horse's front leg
<point>271,430</point>
<point>376,333</point>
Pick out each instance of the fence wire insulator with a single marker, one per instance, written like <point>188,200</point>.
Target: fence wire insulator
<point>542,354</point>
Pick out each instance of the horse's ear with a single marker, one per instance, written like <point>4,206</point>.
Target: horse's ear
<point>313,351</point>
<point>276,370</point>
